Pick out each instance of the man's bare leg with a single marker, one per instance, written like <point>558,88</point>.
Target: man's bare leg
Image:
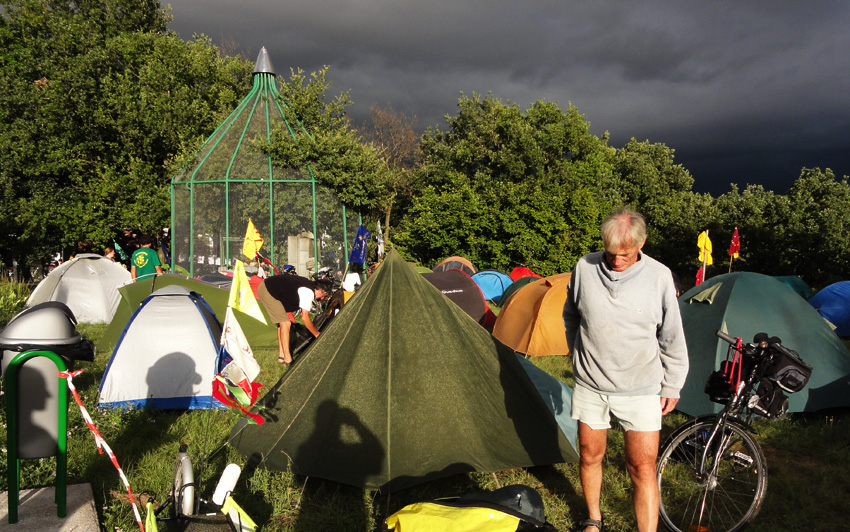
<point>283,342</point>
<point>592,445</point>
<point>641,455</point>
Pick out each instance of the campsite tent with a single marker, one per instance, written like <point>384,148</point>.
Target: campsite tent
<point>88,284</point>
<point>133,294</point>
<point>402,388</point>
<point>532,321</point>
<point>833,303</point>
<point>796,284</point>
<point>743,304</point>
<point>514,287</point>
<point>461,290</point>
<point>456,263</point>
<point>167,355</point>
<point>521,271</point>
<point>492,283</point>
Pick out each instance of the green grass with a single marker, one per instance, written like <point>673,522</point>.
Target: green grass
<point>13,297</point>
<point>807,458</point>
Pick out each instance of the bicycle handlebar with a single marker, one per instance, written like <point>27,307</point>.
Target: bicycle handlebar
<point>724,336</point>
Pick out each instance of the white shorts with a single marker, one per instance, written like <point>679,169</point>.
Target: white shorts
<point>641,413</point>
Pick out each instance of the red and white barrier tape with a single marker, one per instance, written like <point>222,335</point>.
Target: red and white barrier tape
<point>100,442</point>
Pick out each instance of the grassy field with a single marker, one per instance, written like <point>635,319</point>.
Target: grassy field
<point>808,458</point>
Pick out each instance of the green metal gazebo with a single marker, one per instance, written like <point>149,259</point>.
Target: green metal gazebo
<point>231,182</point>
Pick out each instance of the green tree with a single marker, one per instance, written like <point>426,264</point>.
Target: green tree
<point>647,179</point>
<point>96,100</point>
<point>760,217</point>
<point>504,187</point>
<point>817,228</point>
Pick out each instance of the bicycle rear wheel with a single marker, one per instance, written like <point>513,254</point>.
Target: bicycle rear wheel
<point>724,499</point>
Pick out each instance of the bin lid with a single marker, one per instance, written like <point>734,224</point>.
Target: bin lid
<point>48,323</point>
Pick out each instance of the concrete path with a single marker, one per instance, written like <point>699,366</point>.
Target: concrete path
<point>37,511</point>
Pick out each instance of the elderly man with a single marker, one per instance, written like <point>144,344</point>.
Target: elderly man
<point>629,359</point>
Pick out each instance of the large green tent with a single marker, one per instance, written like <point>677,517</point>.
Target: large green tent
<point>401,388</point>
<point>743,304</point>
<point>132,295</point>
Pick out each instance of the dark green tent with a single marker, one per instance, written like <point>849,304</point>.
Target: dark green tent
<point>743,304</point>
<point>132,295</point>
<point>401,388</point>
<point>798,285</point>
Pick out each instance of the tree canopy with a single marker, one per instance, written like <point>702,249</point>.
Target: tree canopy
<point>99,102</point>
<point>97,99</point>
<point>504,187</point>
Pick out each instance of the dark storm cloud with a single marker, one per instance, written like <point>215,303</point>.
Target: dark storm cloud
<point>744,92</point>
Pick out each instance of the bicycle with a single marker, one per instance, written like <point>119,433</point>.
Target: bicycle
<point>185,502</point>
<point>181,497</point>
<point>712,474</point>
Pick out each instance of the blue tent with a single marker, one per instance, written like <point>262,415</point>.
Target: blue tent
<point>833,303</point>
<point>492,283</point>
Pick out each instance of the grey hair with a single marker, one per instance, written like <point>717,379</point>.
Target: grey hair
<point>623,228</point>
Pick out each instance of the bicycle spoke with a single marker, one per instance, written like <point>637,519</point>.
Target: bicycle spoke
<point>724,498</point>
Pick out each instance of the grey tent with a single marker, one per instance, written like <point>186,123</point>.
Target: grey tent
<point>88,284</point>
<point>743,304</point>
<point>403,387</point>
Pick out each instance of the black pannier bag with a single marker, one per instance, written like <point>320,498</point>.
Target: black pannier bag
<point>770,401</point>
<point>787,369</point>
<point>723,383</point>
<point>718,387</point>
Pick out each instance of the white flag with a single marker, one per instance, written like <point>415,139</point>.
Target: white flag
<point>235,345</point>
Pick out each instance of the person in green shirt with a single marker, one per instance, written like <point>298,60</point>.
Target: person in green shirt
<point>144,261</point>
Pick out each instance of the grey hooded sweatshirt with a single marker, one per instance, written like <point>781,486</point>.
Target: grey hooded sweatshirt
<point>624,328</point>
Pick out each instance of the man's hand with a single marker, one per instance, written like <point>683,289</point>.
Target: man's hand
<point>667,405</point>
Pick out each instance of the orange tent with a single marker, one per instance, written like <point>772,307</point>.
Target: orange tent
<point>531,322</point>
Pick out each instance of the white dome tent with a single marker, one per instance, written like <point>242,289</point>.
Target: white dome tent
<point>88,284</point>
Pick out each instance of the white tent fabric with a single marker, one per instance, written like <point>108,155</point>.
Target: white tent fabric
<point>88,284</point>
<point>167,355</point>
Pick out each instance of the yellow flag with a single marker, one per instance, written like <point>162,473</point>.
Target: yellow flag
<point>150,518</point>
<point>704,245</point>
<point>253,241</point>
<point>241,296</point>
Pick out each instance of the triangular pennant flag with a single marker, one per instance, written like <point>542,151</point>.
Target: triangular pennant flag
<point>241,296</point>
<point>253,241</point>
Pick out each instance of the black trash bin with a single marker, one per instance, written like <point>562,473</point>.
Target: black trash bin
<point>49,326</point>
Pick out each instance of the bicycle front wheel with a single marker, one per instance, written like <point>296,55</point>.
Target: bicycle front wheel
<point>184,485</point>
<point>723,496</point>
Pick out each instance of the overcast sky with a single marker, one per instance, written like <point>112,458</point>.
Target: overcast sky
<point>745,92</point>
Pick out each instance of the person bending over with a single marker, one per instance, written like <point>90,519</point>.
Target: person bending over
<point>283,294</point>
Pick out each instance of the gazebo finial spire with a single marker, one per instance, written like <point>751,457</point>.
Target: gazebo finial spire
<point>264,63</point>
